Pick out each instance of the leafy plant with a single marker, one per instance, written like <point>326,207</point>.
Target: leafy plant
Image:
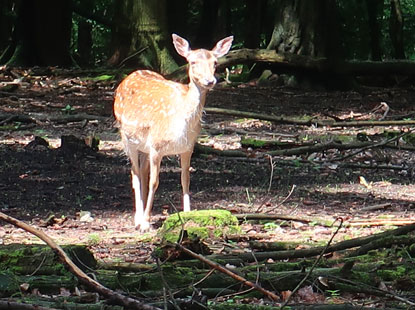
<point>93,239</point>
<point>68,109</point>
<point>270,226</point>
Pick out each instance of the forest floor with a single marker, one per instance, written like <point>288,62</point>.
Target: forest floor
<point>37,181</point>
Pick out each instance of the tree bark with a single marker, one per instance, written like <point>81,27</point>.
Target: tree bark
<point>396,29</point>
<point>146,43</point>
<point>305,28</point>
<point>309,28</point>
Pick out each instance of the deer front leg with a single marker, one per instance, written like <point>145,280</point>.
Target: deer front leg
<point>138,181</point>
<point>185,177</point>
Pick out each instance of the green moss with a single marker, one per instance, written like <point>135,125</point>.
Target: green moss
<point>201,223</point>
<point>8,283</point>
<point>100,78</point>
<point>25,259</point>
<point>391,275</point>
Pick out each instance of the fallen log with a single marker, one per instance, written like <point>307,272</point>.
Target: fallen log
<point>40,117</point>
<point>307,122</point>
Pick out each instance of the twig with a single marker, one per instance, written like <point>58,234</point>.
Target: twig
<point>284,200</point>
<point>314,265</point>
<point>387,109</point>
<point>272,172</point>
<point>381,143</point>
<point>8,120</point>
<point>374,289</point>
<point>382,106</point>
<point>204,278</point>
<point>83,277</point>
<point>132,55</point>
<point>228,272</point>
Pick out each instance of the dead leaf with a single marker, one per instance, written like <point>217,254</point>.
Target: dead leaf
<point>24,287</point>
<point>307,295</point>
<point>285,295</point>
<point>363,181</point>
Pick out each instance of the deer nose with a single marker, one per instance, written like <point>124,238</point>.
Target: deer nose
<point>209,82</point>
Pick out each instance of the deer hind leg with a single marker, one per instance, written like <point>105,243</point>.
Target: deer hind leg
<point>137,182</point>
<point>185,176</point>
<point>154,161</point>
<point>141,191</point>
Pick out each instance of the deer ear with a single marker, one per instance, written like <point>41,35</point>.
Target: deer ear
<point>181,45</point>
<point>222,47</point>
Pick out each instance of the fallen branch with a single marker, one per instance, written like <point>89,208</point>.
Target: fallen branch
<point>321,123</point>
<point>202,149</point>
<point>381,222</point>
<point>343,245</point>
<point>114,297</point>
<point>38,117</point>
<point>11,305</point>
<point>320,148</point>
<point>228,272</point>
<point>263,216</point>
<point>316,64</point>
<point>378,144</point>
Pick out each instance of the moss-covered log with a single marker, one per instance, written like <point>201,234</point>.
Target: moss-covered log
<point>366,271</point>
<point>41,260</point>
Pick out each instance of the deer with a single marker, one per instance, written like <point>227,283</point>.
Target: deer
<point>158,117</point>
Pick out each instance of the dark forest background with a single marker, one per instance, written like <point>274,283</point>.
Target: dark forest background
<point>135,33</point>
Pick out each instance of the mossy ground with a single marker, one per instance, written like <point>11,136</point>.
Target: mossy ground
<point>199,223</point>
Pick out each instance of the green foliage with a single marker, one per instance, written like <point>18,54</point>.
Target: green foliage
<point>100,34</point>
<point>356,34</point>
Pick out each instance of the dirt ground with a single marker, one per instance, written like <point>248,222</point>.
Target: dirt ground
<point>37,181</point>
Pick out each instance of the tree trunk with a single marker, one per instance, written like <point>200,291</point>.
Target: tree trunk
<point>85,37</point>
<point>43,33</point>
<point>308,28</point>
<point>396,29</point>
<point>142,38</point>
<point>374,9</point>
<point>305,28</point>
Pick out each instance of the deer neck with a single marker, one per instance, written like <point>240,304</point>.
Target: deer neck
<point>196,97</point>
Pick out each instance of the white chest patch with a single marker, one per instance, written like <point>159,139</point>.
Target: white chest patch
<point>179,128</point>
